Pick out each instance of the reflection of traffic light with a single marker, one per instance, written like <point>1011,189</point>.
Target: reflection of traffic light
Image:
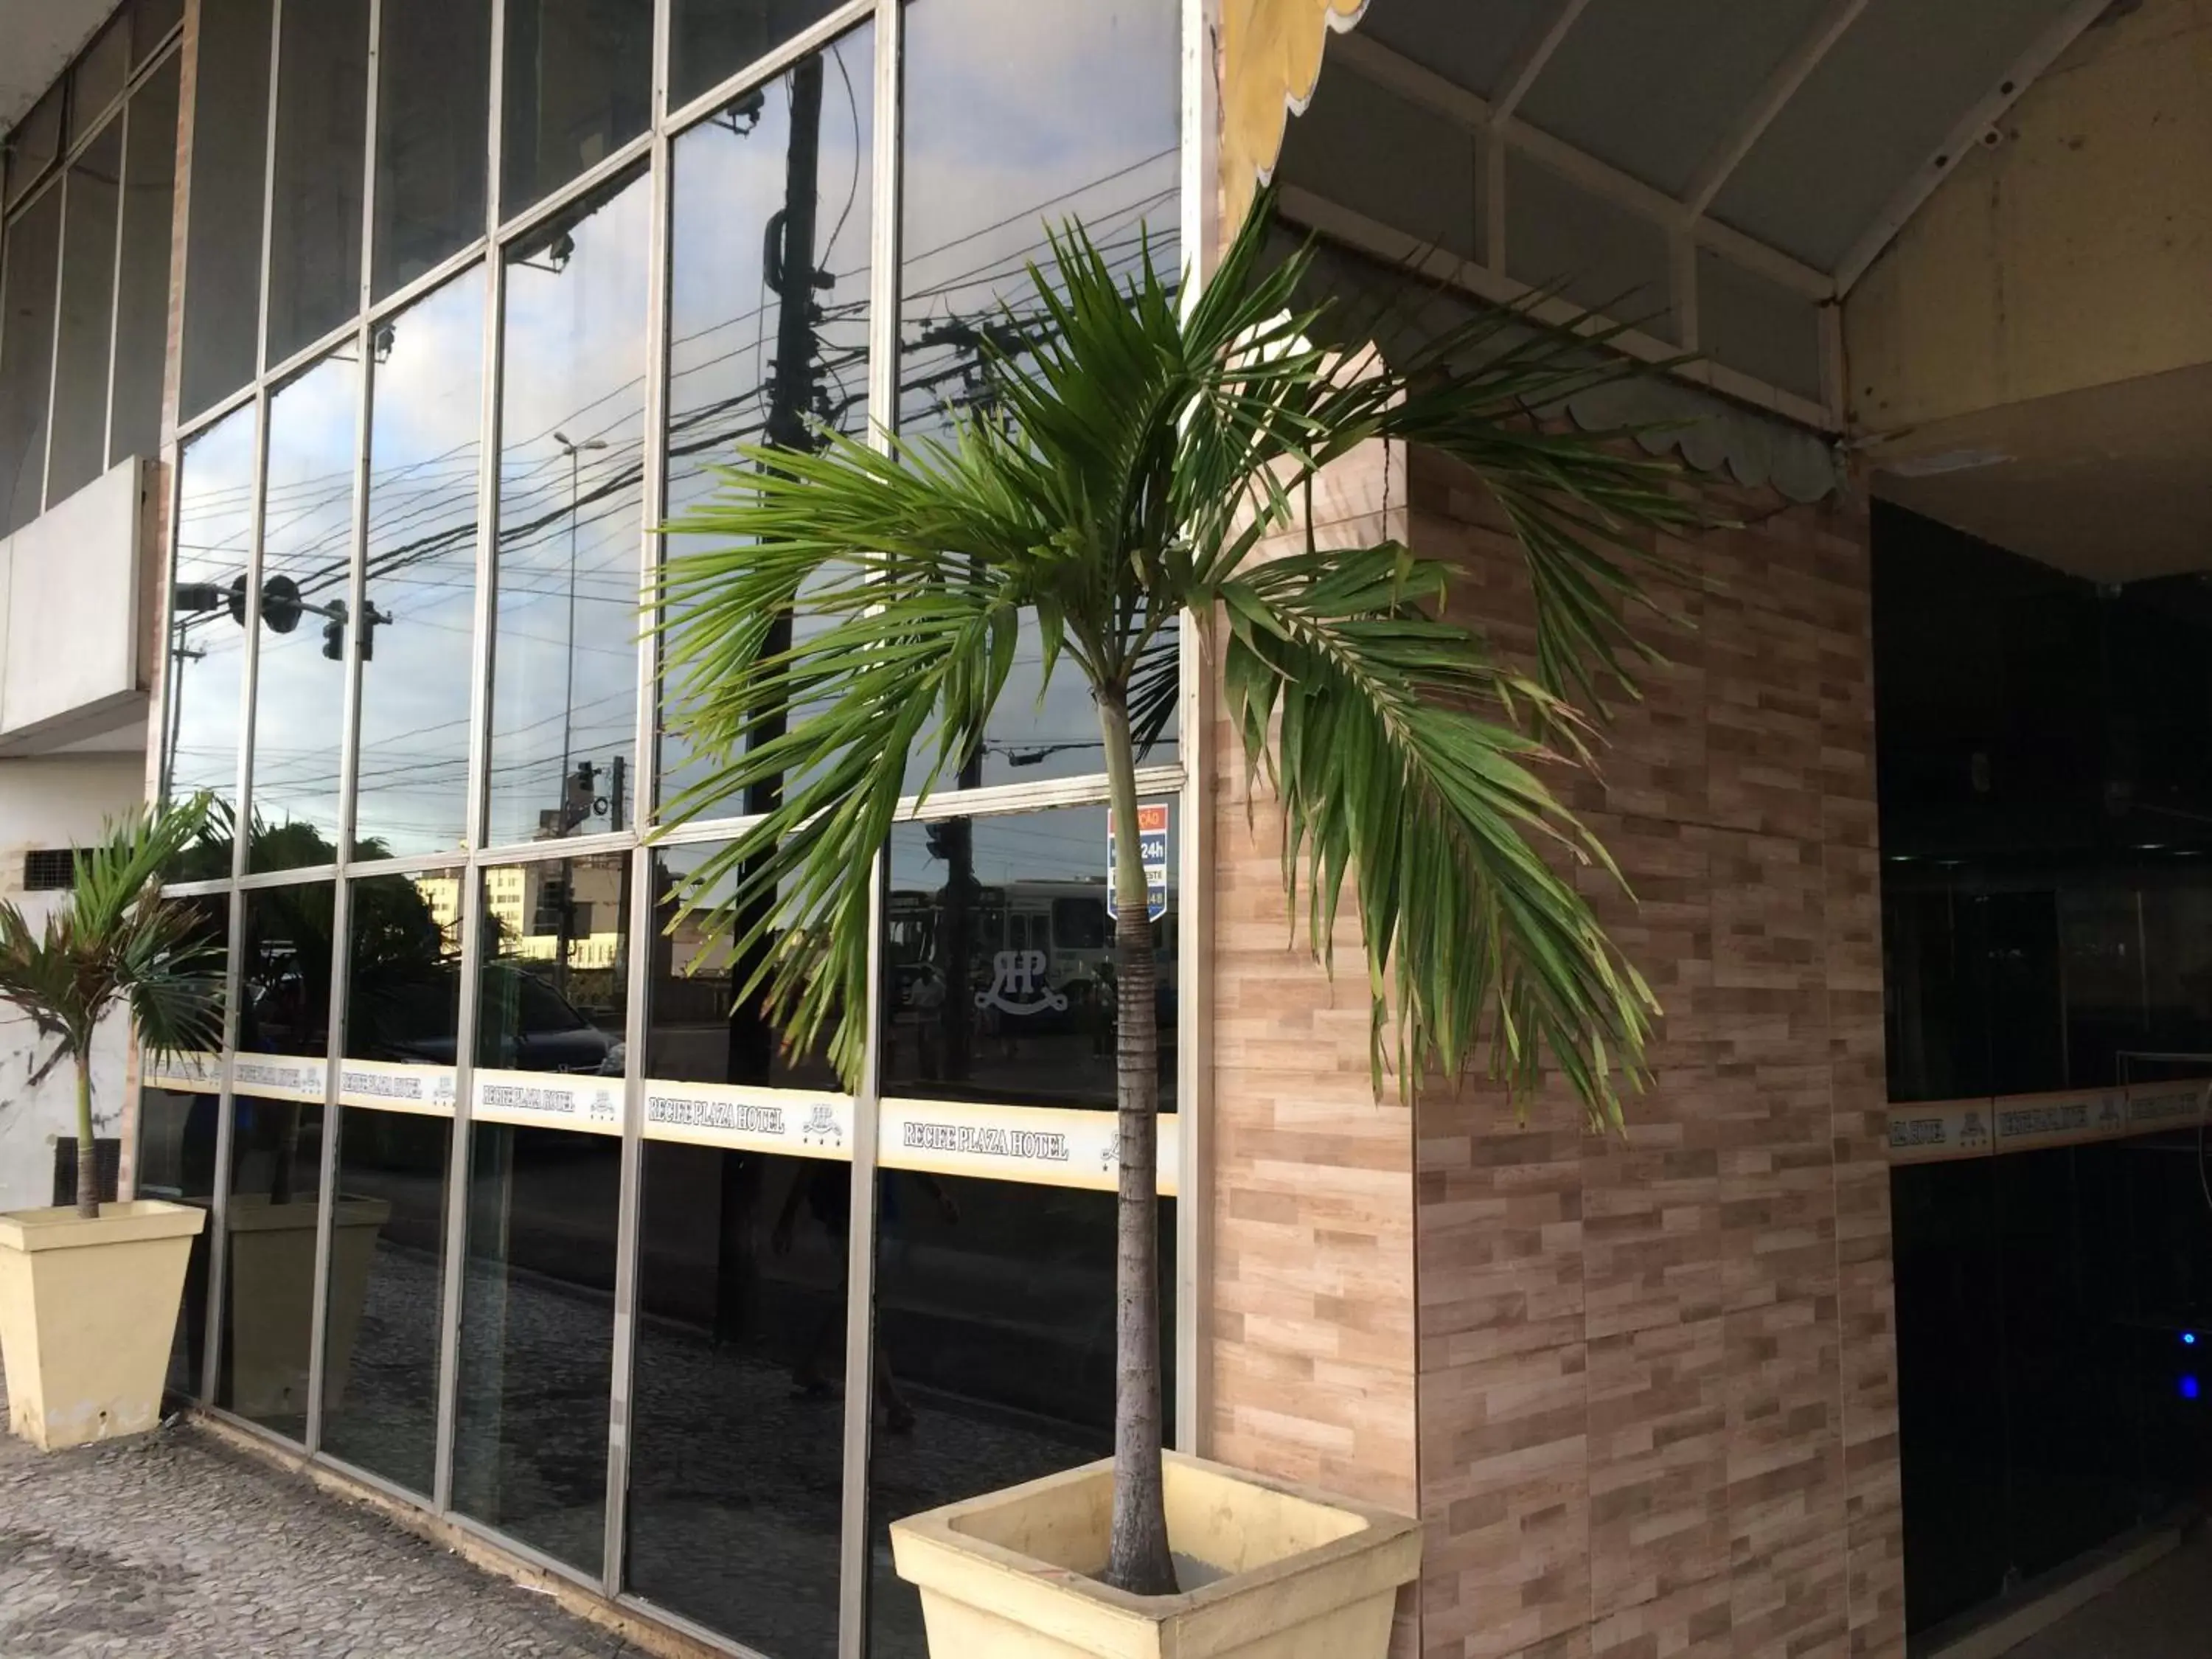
<point>581,802</point>
<point>281,604</point>
<point>334,630</point>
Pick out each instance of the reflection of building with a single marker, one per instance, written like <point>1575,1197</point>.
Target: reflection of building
<point>526,904</point>
<point>1944,257</point>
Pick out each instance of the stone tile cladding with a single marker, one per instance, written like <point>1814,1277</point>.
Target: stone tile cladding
<point>1643,1388</point>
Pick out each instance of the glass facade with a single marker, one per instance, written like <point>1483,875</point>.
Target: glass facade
<point>84,290</point>
<point>2045,801</point>
<point>522,1211</point>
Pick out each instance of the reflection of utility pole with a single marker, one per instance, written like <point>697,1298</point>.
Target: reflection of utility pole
<point>568,694</point>
<point>795,385</point>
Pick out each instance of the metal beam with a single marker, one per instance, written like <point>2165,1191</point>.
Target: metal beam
<point>1416,84</point>
<point>1521,77</point>
<point>1398,248</point>
<point>2018,76</point>
<point>1781,86</point>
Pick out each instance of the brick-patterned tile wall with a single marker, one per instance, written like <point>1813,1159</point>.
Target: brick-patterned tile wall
<point>1309,1345</point>
<point>1656,1395</point>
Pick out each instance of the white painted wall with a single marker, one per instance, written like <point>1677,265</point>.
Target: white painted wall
<point>68,614</point>
<point>53,801</point>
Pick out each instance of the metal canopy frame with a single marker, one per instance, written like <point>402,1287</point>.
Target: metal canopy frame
<point>486,258</point>
<point>1686,221</point>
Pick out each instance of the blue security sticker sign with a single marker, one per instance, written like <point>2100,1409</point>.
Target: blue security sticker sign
<point>1153,840</point>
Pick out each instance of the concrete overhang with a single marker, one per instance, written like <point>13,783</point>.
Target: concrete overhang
<point>71,675</point>
<point>38,38</point>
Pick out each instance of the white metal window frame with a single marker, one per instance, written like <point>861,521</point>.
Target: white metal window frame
<point>1183,780</point>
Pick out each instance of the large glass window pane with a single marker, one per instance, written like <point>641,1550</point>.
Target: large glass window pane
<point>999,944</point>
<point>565,694</point>
<point>578,86</point>
<point>789,164</point>
<point>280,1077</point>
<point>322,113</point>
<point>26,356</point>
<point>87,294</point>
<point>714,39</point>
<point>424,444</point>
<point>395,1134</point>
<point>544,1173</point>
<point>97,80</point>
<point>307,540</point>
<point>433,95</point>
<point>179,1101</point>
<point>736,1434</point>
<point>206,648</point>
<point>229,156</point>
<point>1070,113</point>
<point>34,145</point>
<point>142,302</point>
<point>995,1352</point>
<point>994,1297</point>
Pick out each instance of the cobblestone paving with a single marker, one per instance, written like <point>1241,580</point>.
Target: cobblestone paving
<point>172,1546</point>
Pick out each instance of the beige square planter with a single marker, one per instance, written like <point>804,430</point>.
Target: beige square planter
<point>88,1313</point>
<point>272,1299</point>
<point>1291,1573</point>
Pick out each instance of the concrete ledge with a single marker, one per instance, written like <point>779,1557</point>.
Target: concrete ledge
<point>2042,1603</point>
<point>650,1635</point>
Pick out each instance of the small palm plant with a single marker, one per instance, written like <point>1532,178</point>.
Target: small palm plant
<point>116,943</point>
<point>1142,461</point>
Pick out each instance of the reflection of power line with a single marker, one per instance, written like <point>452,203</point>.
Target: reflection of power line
<point>787,406</point>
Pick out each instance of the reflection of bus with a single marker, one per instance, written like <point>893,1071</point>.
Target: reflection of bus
<point>1064,922</point>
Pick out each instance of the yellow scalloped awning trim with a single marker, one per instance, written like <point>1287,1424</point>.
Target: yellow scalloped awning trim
<point>1270,58</point>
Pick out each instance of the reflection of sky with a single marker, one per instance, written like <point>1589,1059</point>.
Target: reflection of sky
<point>307,535</point>
<point>570,552</point>
<point>215,523</point>
<point>731,176</point>
<point>1071,110</point>
<point>423,457</point>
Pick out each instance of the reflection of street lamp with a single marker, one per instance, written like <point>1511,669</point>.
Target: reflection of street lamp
<point>569,696</point>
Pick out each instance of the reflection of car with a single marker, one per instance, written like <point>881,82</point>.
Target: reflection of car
<point>522,1024</point>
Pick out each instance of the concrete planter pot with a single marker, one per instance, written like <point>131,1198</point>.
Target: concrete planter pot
<point>272,1298</point>
<point>1284,1572</point>
<point>87,1312</point>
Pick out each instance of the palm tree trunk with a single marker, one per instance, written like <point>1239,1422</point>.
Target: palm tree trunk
<point>87,1153</point>
<point>1138,1559</point>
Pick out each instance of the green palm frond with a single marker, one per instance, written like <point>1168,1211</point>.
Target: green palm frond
<point>1139,460</point>
<point>1367,714</point>
<point>118,941</point>
<point>904,657</point>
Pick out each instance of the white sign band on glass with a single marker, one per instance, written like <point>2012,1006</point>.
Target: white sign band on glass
<point>381,1085</point>
<point>189,1071</point>
<point>280,1077</point>
<point>1036,1145</point>
<point>1931,1130</point>
<point>798,1122</point>
<point>547,1100</point>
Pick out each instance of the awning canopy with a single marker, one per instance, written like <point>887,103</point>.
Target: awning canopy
<point>1717,172</point>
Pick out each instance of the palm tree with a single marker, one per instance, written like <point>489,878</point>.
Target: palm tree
<point>1131,466</point>
<point>116,943</point>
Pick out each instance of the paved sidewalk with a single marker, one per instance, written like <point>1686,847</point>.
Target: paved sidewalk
<point>173,1545</point>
